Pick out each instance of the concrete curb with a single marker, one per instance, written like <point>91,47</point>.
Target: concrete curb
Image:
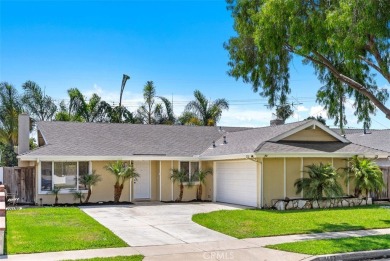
<point>353,256</point>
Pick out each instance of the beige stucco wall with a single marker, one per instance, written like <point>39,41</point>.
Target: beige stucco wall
<point>340,165</point>
<point>316,134</point>
<point>154,180</point>
<point>293,172</point>
<point>273,178</point>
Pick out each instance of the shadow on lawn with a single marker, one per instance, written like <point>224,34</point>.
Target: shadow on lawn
<point>329,227</point>
<point>361,243</point>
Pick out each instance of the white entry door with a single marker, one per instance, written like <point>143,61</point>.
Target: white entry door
<point>237,182</point>
<point>142,184</point>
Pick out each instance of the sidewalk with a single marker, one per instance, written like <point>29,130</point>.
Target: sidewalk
<point>235,249</point>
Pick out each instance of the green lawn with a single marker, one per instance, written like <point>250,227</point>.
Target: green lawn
<point>332,246</point>
<point>36,230</point>
<point>115,258</point>
<point>259,223</point>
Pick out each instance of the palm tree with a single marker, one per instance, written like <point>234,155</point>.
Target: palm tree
<point>322,181</point>
<point>189,118</point>
<point>55,191</point>
<point>96,110</point>
<point>148,110</point>
<point>10,108</point>
<point>88,181</point>
<point>78,195</point>
<point>164,113</point>
<point>39,105</point>
<point>208,112</point>
<point>122,173</point>
<point>180,176</point>
<point>201,177</point>
<point>366,174</point>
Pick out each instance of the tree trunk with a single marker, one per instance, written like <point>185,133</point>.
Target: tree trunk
<point>117,192</point>
<point>366,197</point>
<point>199,192</point>
<point>181,192</point>
<point>56,200</point>
<point>88,195</point>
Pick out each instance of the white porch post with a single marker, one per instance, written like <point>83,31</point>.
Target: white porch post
<point>215,181</point>
<point>172,182</point>
<point>160,175</point>
<point>130,190</point>
<point>302,174</point>
<point>284,178</point>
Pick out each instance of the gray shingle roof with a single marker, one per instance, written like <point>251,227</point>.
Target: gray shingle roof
<point>377,139</point>
<point>104,139</point>
<point>247,141</point>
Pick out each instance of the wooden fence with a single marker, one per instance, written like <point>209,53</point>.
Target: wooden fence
<point>20,182</point>
<point>384,194</point>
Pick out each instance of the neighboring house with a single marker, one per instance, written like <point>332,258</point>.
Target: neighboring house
<point>251,166</point>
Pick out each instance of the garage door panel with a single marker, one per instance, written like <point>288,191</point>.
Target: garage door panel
<point>237,182</point>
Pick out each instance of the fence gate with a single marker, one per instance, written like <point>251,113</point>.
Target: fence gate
<point>384,193</point>
<point>21,182</point>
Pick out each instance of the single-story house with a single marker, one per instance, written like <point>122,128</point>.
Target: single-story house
<point>251,166</point>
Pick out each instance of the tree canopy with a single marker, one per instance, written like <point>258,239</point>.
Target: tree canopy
<point>347,42</point>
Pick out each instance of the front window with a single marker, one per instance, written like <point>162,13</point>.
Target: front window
<point>63,174</point>
<point>190,169</point>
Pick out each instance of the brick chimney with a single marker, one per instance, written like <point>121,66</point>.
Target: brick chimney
<point>23,133</point>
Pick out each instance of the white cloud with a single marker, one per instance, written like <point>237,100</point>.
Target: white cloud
<point>318,110</point>
<point>236,116</point>
<point>301,108</point>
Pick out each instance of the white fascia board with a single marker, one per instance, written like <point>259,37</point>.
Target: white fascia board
<point>102,158</point>
<point>306,125</point>
<point>227,157</point>
<point>319,155</point>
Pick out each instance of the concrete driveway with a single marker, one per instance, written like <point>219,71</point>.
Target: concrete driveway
<point>153,224</point>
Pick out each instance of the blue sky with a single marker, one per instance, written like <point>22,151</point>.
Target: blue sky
<point>177,44</point>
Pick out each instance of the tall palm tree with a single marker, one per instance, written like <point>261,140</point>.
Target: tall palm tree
<point>122,173</point>
<point>208,112</point>
<point>164,112</point>
<point>96,110</point>
<point>40,106</point>
<point>321,183</point>
<point>10,108</point>
<point>201,177</point>
<point>181,177</point>
<point>89,180</point>
<point>148,110</point>
<point>366,174</point>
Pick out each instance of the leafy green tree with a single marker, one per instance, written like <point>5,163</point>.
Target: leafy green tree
<point>62,114</point>
<point>148,109</point>
<point>189,118</point>
<point>10,108</point>
<point>40,106</point>
<point>346,42</point>
<point>201,176</point>
<point>207,112</point>
<point>318,118</point>
<point>122,173</point>
<point>366,174</point>
<point>88,181</point>
<point>95,110</point>
<point>8,156</point>
<point>284,111</point>
<point>321,183</point>
<point>332,96</point>
<point>181,177</point>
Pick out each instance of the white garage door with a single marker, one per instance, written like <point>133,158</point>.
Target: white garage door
<point>237,182</point>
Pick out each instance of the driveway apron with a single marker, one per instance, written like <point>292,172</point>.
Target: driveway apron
<point>153,224</point>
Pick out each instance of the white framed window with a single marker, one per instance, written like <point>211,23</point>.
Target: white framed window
<point>190,167</point>
<point>63,174</point>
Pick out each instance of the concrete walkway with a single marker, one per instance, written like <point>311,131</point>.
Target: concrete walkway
<point>155,224</point>
<point>244,249</point>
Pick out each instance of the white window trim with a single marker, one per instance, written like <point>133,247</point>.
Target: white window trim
<point>62,191</point>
